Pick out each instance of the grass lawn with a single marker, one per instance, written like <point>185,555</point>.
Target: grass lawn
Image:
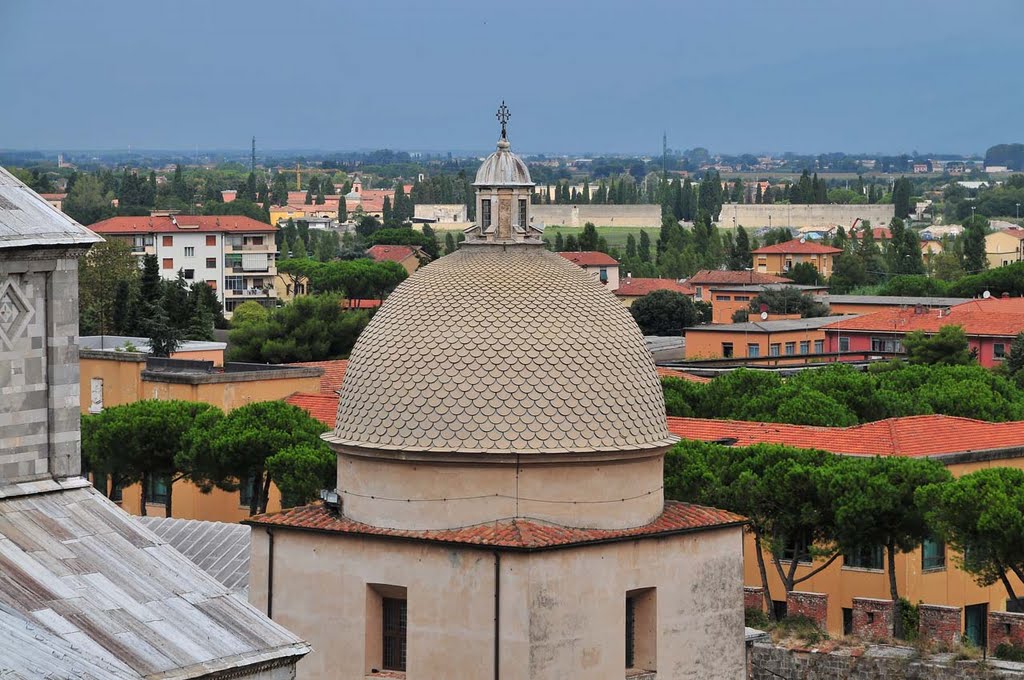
<point>616,236</point>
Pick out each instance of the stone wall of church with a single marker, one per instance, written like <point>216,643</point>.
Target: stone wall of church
<point>39,390</point>
<point>575,216</point>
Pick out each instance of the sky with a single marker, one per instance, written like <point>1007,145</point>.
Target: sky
<point>601,76</point>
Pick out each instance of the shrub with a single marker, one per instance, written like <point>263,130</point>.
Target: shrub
<point>756,618</point>
<point>1008,652</point>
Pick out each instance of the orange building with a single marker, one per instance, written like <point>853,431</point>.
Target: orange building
<point>632,289</point>
<point>706,279</point>
<point>789,339</point>
<point>110,378</point>
<point>727,299</point>
<point>782,257</point>
<point>930,574</point>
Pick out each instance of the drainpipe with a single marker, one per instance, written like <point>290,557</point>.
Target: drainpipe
<point>497,615</point>
<point>270,573</point>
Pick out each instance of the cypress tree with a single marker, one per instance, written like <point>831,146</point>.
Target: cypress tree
<point>644,250</point>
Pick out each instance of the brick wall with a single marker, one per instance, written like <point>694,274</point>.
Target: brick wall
<point>1005,627</point>
<point>872,619</point>
<point>939,623</point>
<point>812,605</point>
<point>753,598</point>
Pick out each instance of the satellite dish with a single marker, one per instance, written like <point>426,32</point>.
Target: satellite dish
<point>803,240</point>
<point>986,295</point>
<point>764,316</point>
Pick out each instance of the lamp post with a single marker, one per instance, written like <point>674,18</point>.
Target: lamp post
<point>1018,211</point>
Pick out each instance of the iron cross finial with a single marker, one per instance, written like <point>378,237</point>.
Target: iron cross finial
<point>503,116</point>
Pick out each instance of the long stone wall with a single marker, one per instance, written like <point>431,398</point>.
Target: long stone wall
<point>768,662</point>
<point>645,216</point>
<point>753,215</point>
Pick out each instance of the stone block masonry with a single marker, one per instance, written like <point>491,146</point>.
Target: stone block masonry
<point>812,605</point>
<point>1005,627</point>
<point>768,662</point>
<point>753,598</point>
<point>872,619</point>
<point>939,623</point>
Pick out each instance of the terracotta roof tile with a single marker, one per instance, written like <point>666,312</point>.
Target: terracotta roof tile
<point>382,253</point>
<point>712,276</point>
<point>928,435</point>
<point>334,372</point>
<point>995,316</point>
<point>524,534</point>
<point>323,407</point>
<point>800,246</point>
<point>590,258</point>
<point>633,287</point>
<point>186,224</point>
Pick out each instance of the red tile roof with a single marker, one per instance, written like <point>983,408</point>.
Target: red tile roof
<point>712,276</point>
<point>590,258</point>
<point>54,197</point>
<point>334,372</point>
<point>185,224</point>
<point>992,317</point>
<point>799,246</point>
<point>1016,233</point>
<point>878,233</point>
<point>383,253</point>
<point>632,287</point>
<point>929,435</point>
<point>521,534</point>
<point>323,407</point>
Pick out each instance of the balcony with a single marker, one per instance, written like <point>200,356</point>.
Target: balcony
<point>270,247</point>
<point>251,293</point>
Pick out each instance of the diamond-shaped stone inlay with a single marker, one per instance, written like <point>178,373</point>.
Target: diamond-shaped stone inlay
<point>15,312</point>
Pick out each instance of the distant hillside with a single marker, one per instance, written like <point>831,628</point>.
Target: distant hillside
<point>1010,155</point>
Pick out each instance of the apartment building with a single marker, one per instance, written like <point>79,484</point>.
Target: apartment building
<point>234,255</point>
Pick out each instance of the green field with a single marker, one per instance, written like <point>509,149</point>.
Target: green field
<point>615,236</point>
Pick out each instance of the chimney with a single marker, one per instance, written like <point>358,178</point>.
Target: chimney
<point>1006,296</point>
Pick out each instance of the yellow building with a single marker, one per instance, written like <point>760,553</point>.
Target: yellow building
<point>789,339</point>
<point>930,574</point>
<point>1004,247</point>
<point>110,377</point>
<point>782,257</point>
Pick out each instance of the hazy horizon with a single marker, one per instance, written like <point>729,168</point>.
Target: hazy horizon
<point>579,77</point>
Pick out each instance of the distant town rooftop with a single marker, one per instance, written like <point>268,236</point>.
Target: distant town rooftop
<point>776,326</point>
<point>890,300</point>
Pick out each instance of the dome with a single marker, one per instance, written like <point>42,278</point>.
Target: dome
<point>503,168</point>
<point>501,349</point>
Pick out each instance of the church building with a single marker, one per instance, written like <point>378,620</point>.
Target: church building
<point>500,510</point>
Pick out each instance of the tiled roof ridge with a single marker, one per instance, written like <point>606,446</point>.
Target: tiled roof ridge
<point>513,532</point>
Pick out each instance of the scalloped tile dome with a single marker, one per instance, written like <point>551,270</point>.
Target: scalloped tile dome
<point>503,168</point>
<point>501,350</point>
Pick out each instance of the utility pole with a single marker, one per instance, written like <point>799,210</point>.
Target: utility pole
<point>664,155</point>
<point>252,168</point>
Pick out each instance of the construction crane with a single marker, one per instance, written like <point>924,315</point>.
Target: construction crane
<point>298,170</point>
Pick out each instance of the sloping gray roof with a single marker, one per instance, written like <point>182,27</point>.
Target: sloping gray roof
<point>77,565</point>
<point>30,650</point>
<point>503,168</point>
<point>501,349</point>
<point>26,219</point>
<point>908,300</point>
<point>218,548</point>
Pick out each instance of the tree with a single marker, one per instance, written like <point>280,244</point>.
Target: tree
<point>788,300</point>
<point>805,274</point>
<point>948,347</point>
<point>981,516</point>
<point>974,245</point>
<point>588,237</point>
<point>310,328</point>
<point>139,442</point>
<point>104,269</point>
<point>901,197</point>
<point>230,450</point>
<point>87,202</point>
<point>630,248</point>
<point>164,337</point>
<point>449,243</point>
<point>302,471</point>
<point>279,190</point>
<point>775,487</point>
<point>178,187</point>
<point>1015,360</point>
<point>873,505</point>
<point>904,252</point>
<point>644,249</point>
<point>664,312</point>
